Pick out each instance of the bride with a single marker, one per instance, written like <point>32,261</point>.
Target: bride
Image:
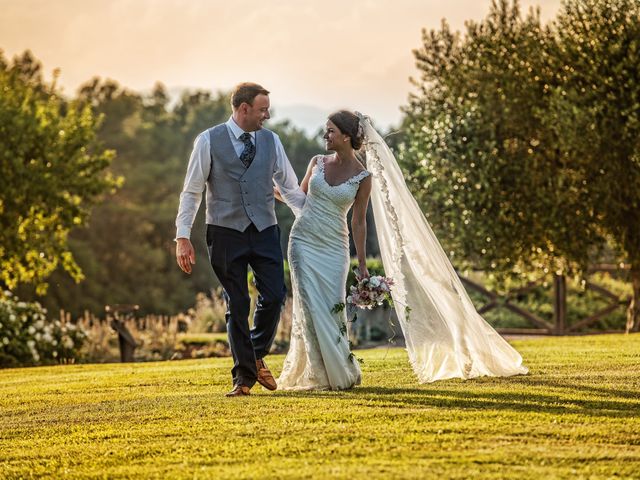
<point>319,356</point>
<point>445,336</point>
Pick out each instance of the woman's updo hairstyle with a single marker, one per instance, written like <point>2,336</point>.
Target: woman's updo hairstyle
<point>349,124</point>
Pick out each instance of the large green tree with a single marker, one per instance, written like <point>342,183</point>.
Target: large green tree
<point>482,163</point>
<point>595,114</point>
<point>52,171</point>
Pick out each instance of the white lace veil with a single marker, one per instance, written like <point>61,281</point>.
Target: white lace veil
<point>445,336</point>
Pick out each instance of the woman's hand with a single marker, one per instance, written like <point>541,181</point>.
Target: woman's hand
<point>362,272</point>
<point>277,194</point>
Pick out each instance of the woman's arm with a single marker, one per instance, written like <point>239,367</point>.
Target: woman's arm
<point>304,185</point>
<point>359,224</point>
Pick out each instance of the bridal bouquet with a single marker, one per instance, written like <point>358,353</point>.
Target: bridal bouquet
<point>367,293</point>
<point>370,292</point>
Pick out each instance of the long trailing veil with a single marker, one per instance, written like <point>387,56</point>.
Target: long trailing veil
<point>445,336</point>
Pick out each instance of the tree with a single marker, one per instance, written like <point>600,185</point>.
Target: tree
<point>595,114</point>
<point>481,160</point>
<point>52,171</point>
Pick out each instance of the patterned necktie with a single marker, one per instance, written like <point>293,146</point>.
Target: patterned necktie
<point>246,157</point>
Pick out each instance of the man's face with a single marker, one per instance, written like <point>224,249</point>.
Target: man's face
<point>257,113</point>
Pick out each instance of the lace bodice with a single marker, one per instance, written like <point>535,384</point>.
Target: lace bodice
<point>324,215</point>
<point>332,199</point>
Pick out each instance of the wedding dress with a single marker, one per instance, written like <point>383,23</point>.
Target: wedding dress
<point>319,356</point>
<point>445,336</point>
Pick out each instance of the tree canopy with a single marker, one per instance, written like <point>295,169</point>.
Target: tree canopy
<point>522,140</point>
<point>52,170</point>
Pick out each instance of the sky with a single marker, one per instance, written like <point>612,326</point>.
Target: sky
<point>314,56</point>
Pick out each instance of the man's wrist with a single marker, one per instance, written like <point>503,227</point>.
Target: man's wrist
<point>183,232</point>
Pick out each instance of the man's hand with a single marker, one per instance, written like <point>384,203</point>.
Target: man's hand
<point>185,254</point>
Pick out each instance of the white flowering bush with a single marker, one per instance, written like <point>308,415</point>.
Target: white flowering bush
<point>28,338</point>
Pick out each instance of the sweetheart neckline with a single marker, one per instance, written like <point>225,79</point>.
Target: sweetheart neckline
<point>321,163</point>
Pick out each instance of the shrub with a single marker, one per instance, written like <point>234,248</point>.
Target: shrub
<point>28,338</point>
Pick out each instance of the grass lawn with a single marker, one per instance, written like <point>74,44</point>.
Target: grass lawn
<point>576,415</point>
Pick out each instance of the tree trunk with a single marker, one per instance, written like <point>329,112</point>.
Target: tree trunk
<point>633,312</point>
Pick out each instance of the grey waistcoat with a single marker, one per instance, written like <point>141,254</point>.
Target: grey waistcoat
<point>238,196</point>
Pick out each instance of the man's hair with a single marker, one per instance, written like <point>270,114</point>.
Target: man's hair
<point>246,92</point>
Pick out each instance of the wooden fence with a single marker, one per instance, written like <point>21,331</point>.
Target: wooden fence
<point>558,325</point>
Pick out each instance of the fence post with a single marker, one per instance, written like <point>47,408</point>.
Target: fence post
<point>126,342</point>
<point>560,303</point>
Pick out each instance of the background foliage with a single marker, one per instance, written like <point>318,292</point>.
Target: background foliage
<point>52,170</point>
<point>520,143</point>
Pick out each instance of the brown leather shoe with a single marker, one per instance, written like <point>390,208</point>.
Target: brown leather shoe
<point>264,376</point>
<point>239,391</point>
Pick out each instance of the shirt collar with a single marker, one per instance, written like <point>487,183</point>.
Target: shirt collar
<point>236,130</point>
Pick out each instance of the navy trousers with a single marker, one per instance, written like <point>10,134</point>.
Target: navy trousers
<point>231,253</point>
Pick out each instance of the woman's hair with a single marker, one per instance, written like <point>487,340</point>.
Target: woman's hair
<point>349,124</point>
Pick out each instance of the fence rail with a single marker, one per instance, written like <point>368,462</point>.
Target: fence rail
<point>558,326</point>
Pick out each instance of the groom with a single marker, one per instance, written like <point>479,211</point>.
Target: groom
<point>237,163</point>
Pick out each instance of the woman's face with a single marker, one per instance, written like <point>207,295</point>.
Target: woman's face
<point>334,139</point>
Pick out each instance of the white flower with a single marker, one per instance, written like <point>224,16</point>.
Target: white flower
<point>5,340</point>
<point>31,330</point>
<point>31,344</point>
<point>67,342</point>
<point>374,281</point>
<point>21,305</point>
<point>12,317</point>
<point>47,337</point>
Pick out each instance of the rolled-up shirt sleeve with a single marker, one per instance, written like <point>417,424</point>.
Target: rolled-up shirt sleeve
<point>194,184</point>
<point>286,180</point>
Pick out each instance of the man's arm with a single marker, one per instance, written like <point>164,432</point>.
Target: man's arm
<point>190,198</point>
<point>286,180</point>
